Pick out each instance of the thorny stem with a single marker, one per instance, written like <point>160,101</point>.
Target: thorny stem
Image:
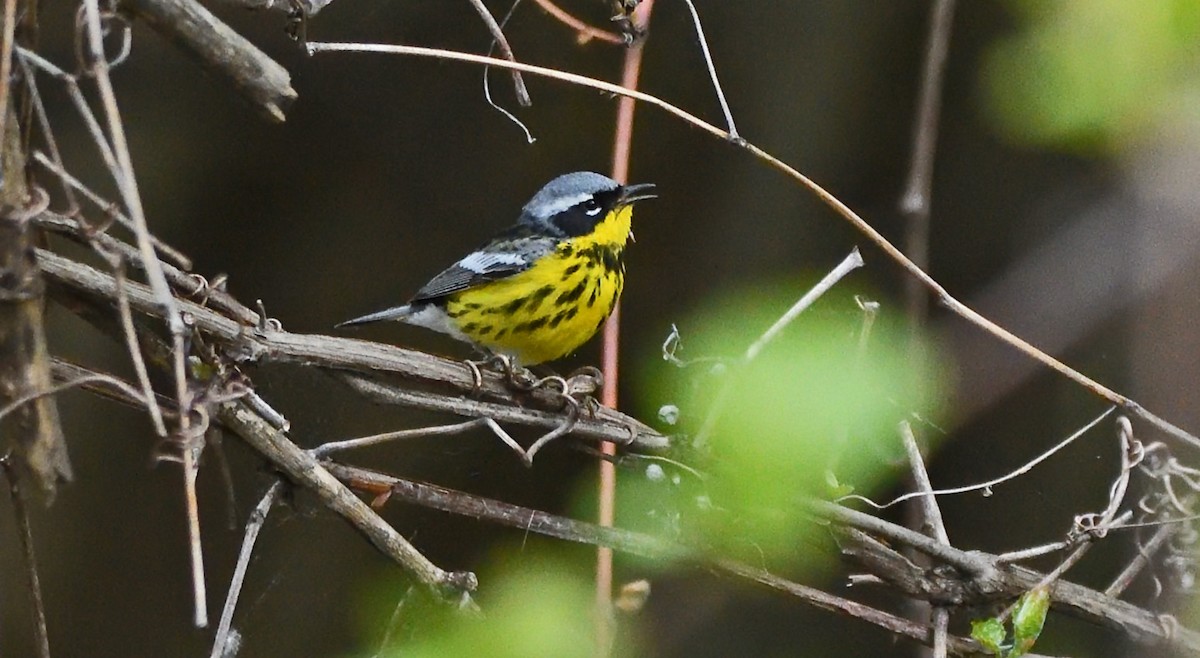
<point>844,211</point>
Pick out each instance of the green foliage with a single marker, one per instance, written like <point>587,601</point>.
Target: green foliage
<point>813,415</point>
<point>1028,618</point>
<point>538,607</point>
<point>1085,74</point>
<point>990,633</point>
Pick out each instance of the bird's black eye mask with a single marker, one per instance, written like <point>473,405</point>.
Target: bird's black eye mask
<point>582,218</point>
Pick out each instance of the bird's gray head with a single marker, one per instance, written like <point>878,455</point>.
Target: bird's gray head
<point>574,203</point>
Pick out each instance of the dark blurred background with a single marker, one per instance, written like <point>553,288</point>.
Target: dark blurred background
<point>389,168</point>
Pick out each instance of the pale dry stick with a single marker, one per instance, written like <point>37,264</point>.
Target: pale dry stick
<point>127,184</point>
<point>188,284</point>
<point>55,167</point>
<point>1032,552</point>
<point>915,202</point>
<point>935,526</point>
<point>253,526</point>
<point>610,350</point>
<point>844,211</point>
<point>870,312</point>
<point>985,486</point>
<point>6,55</point>
<point>304,470</point>
<point>505,49</point>
<point>327,449</point>
<point>43,120</point>
<point>128,390</point>
<point>712,71</point>
<point>41,632</point>
<point>386,641</point>
<point>192,448</point>
<point>850,263</point>
<point>134,349</point>
<point>586,32</point>
<point>221,51</point>
<point>1141,561</point>
<point>487,87</point>
<point>81,105</point>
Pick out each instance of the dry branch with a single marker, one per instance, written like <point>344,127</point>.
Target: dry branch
<point>249,344</point>
<point>36,435</point>
<point>223,52</point>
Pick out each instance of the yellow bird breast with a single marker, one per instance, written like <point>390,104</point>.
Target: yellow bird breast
<point>550,309</point>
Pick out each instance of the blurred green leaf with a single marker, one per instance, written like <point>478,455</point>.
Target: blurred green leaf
<point>1094,73</point>
<point>1028,619</point>
<point>535,607</point>
<point>990,633</point>
<point>813,409</point>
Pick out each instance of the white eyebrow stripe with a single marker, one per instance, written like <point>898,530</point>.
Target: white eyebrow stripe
<point>560,204</point>
<point>481,262</point>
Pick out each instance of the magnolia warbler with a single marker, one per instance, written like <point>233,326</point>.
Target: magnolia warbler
<point>542,287</point>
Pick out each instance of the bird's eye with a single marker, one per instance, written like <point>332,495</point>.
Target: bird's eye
<point>591,207</point>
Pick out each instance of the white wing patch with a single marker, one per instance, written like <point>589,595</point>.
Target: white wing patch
<point>481,262</point>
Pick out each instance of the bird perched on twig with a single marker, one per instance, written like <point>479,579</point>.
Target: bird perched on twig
<point>542,287</point>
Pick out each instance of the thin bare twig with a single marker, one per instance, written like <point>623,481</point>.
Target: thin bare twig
<point>915,203</point>
<point>304,470</point>
<point>326,449</point>
<point>43,121</point>
<point>127,183</point>
<point>135,350</point>
<point>586,32</point>
<point>844,211</point>
<point>712,72</point>
<point>41,633</point>
<point>850,263</point>
<point>165,250</point>
<point>253,526</point>
<point>1141,561</point>
<point>505,49</point>
<point>935,527</point>
<point>985,486</point>
<point>487,87</point>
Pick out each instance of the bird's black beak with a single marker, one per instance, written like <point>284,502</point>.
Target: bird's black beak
<point>637,192</point>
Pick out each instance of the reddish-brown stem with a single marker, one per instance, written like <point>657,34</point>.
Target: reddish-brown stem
<point>586,32</point>
<point>622,143</point>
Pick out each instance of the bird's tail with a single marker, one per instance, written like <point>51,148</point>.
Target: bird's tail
<point>394,313</point>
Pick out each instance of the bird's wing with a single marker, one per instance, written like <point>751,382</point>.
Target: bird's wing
<point>499,259</point>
